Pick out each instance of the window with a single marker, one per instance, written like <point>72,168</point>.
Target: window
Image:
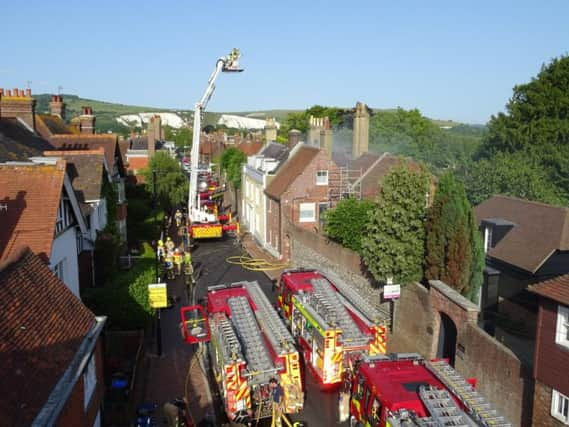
<point>487,238</point>
<point>89,381</point>
<point>321,177</point>
<point>58,270</point>
<point>560,406</point>
<point>64,215</point>
<point>562,330</point>
<point>307,212</point>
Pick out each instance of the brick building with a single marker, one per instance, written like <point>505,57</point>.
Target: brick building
<point>551,360</point>
<point>51,357</point>
<point>299,193</point>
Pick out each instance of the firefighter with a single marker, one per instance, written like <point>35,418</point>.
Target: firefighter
<point>178,217</point>
<point>178,261</point>
<point>188,267</point>
<point>169,264</point>
<point>277,395</point>
<point>160,250</point>
<point>169,244</point>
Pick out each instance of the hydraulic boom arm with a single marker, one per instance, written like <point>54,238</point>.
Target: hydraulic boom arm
<point>227,64</point>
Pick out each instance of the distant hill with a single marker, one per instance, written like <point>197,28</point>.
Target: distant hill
<point>108,112</point>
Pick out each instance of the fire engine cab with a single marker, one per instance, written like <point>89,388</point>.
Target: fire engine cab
<point>333,325</point>
<point>249,345</point>
<point>404,390</point>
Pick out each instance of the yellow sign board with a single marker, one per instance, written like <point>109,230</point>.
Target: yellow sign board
<point>210,231</point>
<point>158,295</point>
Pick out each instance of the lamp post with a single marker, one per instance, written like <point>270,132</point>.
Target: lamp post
<point>157,275</point>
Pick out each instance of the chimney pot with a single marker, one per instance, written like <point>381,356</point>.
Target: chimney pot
<point>8,92</point>
<point>1,91</point>
<point>15,91</point>
<point>29,92</point>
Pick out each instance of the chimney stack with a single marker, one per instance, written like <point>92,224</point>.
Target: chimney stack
<point>18,104</point>
<point>293,138</point>
<point>315,126</point>
<point>270,130</point>
<point>154,133</point>
<point>360,135</point>
<point>87,121</point>
<point>326,138</point>
<point>57,107</point>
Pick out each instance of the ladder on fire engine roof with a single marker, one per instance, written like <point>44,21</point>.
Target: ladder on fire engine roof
<point>276,332</point>
<point>327,303</point>
<point>231,348</point>
<point>477,406</point>
<point>443,409</point>
<point>375,316</point>
<point>250,335</point>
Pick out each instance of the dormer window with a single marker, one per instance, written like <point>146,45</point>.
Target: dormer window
<point>487,238</point>
<point>322,177</point>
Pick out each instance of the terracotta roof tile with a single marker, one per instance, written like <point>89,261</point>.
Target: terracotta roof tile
<point>17,143</point>
<point>41,328</point>
<point>556,289</point>
<point>538,231</point>
<point>48,125</point>
<point>109,142</point>
<point>293,167</point>
<point>31,194</point>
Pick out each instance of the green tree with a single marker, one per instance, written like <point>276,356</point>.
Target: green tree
<point>394,240</point>
<point>409,133</point>
<point>171,184</point>
<point>536,123</point>
<point>510,174</point>
<point>346,222</point>
<point>453,248</point>
<point>299,120</point>
<point>182,137</point>
<point>230,162</point>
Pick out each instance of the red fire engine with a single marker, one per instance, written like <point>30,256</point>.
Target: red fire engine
<point>333,325</point>
<point>406,390</point>
<point>249,345</point>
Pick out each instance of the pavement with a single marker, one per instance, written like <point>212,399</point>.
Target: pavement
<point>173,374</point>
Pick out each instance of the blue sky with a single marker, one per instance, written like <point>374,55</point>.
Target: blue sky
<point>451,59</point>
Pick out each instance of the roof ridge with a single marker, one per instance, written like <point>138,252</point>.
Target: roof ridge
<point>531,202</point>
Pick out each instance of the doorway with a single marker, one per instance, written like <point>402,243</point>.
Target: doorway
<point>446,348</point>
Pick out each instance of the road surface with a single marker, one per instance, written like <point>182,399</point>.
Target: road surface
<point>320,408</point>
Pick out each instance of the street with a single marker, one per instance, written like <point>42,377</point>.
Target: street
<point>320,408</point>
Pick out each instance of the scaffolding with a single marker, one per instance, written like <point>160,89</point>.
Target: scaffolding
<point>344,183</point>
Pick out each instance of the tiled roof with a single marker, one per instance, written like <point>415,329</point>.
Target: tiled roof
<point>374,168</point>
<point>556,289</point>
<point>41,328</point>
<point>123,148</point>
<point>48,125</point>
<point>31,194</point>
<point>86,172</point>
<point>18,143</point>
<point>250,147</point>
<point>139,143</point>
<point>274,150</point>
<point>364,162</point>
<point>293,167</point>
<point>538,232</point>
<point>109,142</point>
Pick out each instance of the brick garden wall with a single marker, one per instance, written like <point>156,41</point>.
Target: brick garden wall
<point>417,321</point>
